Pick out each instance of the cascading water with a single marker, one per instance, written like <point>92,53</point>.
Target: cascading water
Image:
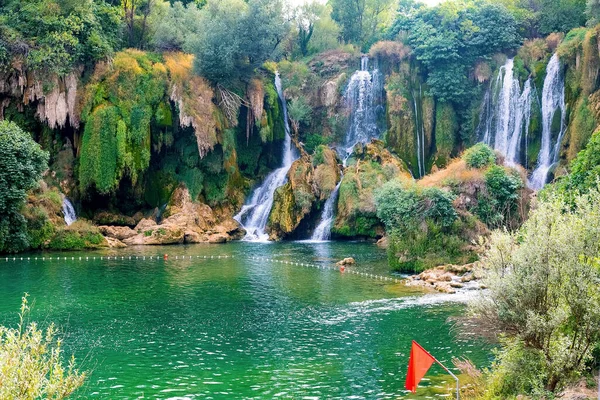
<point>363,97</point>
<point>323,230</point>
<point>255,213</point>
<point>506,113</point>
<point>420,133</point>
<point>553,99</point>
<point>68,211</point>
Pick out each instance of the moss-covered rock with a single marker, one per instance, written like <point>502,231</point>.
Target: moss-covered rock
<point>371,166</point>
<point>446,128</point>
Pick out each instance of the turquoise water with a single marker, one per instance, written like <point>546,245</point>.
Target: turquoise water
<point>237,327</point>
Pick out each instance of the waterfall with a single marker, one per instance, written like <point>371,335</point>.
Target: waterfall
<point>420,133</point>
<point>323,230</point>
<point>255,213</point>
<point>553,99</point>
<point>68,211</point>
<point>506,113</point>
<point>362,97</point>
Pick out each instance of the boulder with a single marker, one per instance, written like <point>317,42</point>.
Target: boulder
<point>115,243</point>
<point>117,232</point>
<point>346,261</point>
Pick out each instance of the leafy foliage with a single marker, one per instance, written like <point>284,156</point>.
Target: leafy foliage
<point>31,362</point>
<point>174,30</point>
<point>449,38</point>
<point>543,292</point>
<point>55,36</point>
<point>361,21</point>
<point>479,156</point>
<point>119,109</point>
<point>22,162</point>
<point>237,37</point>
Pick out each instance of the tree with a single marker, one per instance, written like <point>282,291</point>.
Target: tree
<point>561,15</point>
<point>177,28</point>
<point>360,20</point>
<point>325,34</point>
<point>307,15</point>
<point>237,38</point>
<point>592,11</point>
<point>299,111</point>
<point>56,36</point>
<point>544,292</point>
<point>22,162</point>
<point>31,365</point>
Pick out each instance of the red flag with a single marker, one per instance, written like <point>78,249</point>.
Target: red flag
<point>419,363</point>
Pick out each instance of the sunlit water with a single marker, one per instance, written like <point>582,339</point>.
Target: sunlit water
<point>237,327</point>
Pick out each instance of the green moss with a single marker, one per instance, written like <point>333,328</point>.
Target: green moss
<point>78,236</point>
<point>446,128</point>
<point>148,233</point>
<point>119,108</point>
<point>581,128</point>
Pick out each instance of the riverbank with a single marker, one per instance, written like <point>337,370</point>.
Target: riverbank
<point>448,278</point>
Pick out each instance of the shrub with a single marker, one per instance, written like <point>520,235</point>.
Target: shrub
<point>78,236</point>
<point>543,293</point>
<point>479,156</point>
<point>22,162</point>
<point>31,364</point>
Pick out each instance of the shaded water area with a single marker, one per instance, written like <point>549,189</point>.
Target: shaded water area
<point>237,327</point>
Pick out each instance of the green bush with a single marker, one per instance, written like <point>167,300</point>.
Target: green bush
<point>423,226</point>
<point>31,362</point>
<point>479,156</point>
<point>79,236</point>
<point>499,205</point>
<point>22,162</point>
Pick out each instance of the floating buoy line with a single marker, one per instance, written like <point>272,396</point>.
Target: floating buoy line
<point>165,257</point>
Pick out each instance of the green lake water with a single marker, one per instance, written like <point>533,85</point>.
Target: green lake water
<point>237,327</point>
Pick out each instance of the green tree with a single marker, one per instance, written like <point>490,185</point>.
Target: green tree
<point>299,111</point>
<point>543,293</point>
<point>361,20</point>
<point>22,162</point>
<point>237,38</point>
<point>561,15</point>
<point>31,364</point>
<point>174,30</point>
<point>326,32</point>
<point>592,11</point>
<point>55,36</point>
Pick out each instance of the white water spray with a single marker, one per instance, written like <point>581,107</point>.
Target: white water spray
<point>68,211</point>
<point>506,113</point>
<point>362,96</point>
<point>553,100</point>
<point>323,230</point>
<point>255,213</point>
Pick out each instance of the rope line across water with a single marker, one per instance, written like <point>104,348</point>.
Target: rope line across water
<point>158,258</point>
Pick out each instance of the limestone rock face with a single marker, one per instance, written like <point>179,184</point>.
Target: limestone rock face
<point>311,181</point>
<point>183,222</point>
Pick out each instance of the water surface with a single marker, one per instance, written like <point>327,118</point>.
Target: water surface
<point>236,327</point>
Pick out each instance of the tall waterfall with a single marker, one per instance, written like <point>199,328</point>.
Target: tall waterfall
<point>553,99</point>
<point>506,113</point>
<point>68,211</point>
<point>323,230</point>
<point>420,132</point>
<point>363,98</point>
<point>255,213</point>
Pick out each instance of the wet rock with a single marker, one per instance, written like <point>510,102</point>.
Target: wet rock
<point>346,261</point>
<point>117,232</point>
<point>447,278</point>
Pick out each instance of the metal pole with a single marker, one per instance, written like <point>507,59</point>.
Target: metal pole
<point>455,377</point>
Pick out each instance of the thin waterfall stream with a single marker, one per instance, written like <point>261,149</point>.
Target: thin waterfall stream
<point>254,215</point>
<point>68,211</point>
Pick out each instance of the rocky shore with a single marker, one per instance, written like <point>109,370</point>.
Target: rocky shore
<point>448,278</point>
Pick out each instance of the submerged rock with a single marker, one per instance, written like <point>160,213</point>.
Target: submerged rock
<point>447,278</point>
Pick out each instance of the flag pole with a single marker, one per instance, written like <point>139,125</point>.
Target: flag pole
<point>451,374</point>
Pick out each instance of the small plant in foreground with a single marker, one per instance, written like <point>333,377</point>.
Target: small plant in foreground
<point>31,364</point>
